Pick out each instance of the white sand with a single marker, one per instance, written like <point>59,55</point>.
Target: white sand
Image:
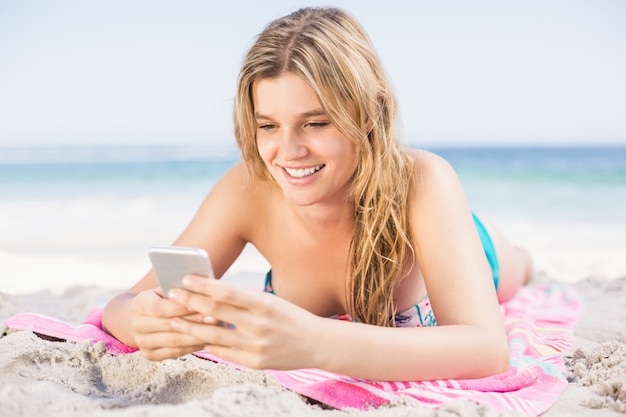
<point>45,378</point>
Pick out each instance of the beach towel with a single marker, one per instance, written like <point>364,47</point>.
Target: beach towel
<point>539,322</point>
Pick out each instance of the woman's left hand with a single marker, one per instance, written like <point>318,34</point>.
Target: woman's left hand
<point>269,332</point>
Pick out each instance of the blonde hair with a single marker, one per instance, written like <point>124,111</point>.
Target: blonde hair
<point>331,52</point>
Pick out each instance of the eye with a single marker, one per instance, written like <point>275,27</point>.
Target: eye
<point>317,125</point>
<point>267,126</point>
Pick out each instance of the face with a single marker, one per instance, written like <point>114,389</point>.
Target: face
<point>309,158</point>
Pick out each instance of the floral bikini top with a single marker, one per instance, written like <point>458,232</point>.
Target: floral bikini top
<point>419,315</point>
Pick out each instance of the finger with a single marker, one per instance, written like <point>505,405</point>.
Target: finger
<point>148,303</point>
<point>211,310</point>
<point>227,293</point>
<point>209,334</point>
<point>172,341</point>
<point>222,314</point>
<point>150,324</point>
<point>147,324</point>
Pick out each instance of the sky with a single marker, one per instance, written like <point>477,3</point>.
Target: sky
<point>532,72</point>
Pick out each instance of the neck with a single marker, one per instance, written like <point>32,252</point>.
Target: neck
<point>322,217</point>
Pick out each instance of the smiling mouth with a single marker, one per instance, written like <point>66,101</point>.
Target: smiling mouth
<point>303,172</point>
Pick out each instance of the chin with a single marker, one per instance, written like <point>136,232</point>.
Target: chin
<point>301,202</point>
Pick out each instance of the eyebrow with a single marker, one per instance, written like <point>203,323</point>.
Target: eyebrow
<point>312,113</point>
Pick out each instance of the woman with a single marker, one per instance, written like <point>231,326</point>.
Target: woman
<point>353,225</point>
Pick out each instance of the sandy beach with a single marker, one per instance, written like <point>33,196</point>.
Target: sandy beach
<point>69,244</point>
<point>49,378</point>
<point>116,120</point>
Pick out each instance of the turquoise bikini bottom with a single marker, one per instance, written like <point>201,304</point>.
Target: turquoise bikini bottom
<point>490,250</point>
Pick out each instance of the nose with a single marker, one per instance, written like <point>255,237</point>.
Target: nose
<point>292,145</point>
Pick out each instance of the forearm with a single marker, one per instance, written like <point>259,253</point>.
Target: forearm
<point>116,319</point>
<point>401,354</point>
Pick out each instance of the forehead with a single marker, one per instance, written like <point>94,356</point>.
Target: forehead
<point>284,94</point>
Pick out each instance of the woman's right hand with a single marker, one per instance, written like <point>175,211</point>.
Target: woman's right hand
<point>151,323</point>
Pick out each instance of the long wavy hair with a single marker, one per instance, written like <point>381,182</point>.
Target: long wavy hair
<point>332,53</point>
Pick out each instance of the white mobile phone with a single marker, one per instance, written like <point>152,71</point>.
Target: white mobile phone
<point>172,263</point>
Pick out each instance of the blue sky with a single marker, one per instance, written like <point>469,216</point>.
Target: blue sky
<point>163,72</point>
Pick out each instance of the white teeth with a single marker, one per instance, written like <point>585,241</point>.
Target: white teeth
<point>299,173</point>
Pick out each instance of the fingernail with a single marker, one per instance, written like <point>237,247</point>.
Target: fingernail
<point>173,295</point>
<point>187,280</point>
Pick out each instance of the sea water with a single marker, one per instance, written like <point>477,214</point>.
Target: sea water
<point>581,184</point>
<point>86,215</point>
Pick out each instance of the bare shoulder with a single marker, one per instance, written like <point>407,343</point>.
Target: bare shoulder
<point>229,188</point>
<point>229,215</point>
<point>432,174</point>
<point>232,214</point>
<point>238,197</point>
<point>236,176</point>
<point>438,208</point>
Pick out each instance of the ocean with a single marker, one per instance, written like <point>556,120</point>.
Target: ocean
<point>576,184</point>
<point>97,207</point>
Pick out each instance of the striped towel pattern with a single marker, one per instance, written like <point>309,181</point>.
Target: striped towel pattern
<point>539,321</point>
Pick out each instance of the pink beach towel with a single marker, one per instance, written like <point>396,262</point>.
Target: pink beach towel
<point>539,323</point>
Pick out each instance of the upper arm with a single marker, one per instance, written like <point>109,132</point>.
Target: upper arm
<point>455,270</point>
<point>221,225</point>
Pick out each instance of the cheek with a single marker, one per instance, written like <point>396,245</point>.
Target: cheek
<point>267,149</point>
<point>348,153</point>
<point>264,147</point>
<point>354,163</point>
